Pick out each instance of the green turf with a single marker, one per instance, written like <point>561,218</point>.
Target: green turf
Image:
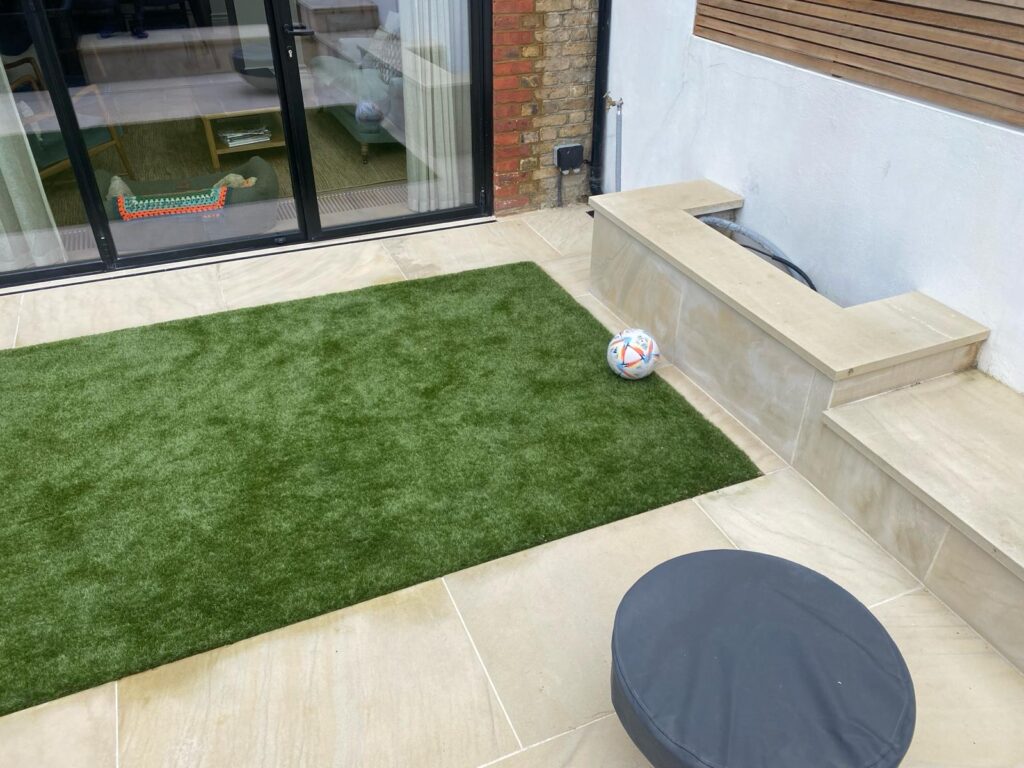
<point>169,489</point>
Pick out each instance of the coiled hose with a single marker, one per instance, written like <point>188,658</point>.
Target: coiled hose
<point>766,247</point>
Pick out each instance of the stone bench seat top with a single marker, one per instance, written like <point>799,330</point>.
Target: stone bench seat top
<point>839,342</point>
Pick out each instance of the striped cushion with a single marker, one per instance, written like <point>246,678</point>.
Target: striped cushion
<point>143,206</point>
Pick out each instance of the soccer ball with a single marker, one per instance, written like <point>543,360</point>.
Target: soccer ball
<point>633,354</point>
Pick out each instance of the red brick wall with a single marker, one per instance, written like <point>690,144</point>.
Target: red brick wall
<point>544,58</point>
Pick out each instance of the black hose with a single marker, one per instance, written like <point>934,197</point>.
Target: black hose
<point>793,268</point>
<point>766,248</point>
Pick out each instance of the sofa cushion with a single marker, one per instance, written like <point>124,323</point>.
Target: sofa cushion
<point>340,82</point>
<point>351,49</point>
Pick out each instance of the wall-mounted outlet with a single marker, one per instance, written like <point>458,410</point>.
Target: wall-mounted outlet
<point>569,158</point>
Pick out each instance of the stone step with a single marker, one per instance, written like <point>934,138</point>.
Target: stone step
<point>956,443</point>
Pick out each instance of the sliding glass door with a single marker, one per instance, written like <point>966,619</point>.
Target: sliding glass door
<point>42,221</point>
<point>166,96</point>
<point>181,128</point>
<point>388,112</point>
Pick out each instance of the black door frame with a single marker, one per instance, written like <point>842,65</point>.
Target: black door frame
<point>296,139</point>
<point>293,118</point>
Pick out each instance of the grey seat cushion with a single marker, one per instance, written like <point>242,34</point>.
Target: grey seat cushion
<point>728,659</point>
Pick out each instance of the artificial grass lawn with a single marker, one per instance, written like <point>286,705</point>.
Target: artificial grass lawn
<point>170,489</point>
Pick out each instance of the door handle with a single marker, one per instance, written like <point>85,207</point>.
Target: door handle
<point>298,30</point>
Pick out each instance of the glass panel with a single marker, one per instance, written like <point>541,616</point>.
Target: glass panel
<point>42,222</point>
<point>179,105</point>
<point>387,106</point>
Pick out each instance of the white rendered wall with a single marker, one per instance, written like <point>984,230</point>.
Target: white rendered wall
<point>870,193</point>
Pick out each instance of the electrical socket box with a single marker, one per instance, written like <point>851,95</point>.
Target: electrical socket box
<point>569,158</point>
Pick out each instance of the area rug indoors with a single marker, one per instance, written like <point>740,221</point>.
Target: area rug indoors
<point>176,149</point>
<point>171,489</point>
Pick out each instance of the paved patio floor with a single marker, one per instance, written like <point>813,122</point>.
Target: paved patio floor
<point>503,664</point>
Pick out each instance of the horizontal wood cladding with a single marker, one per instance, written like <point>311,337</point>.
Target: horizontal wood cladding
<point>963,54</point>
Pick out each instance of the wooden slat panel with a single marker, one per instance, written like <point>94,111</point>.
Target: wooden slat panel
<point>994,29</point>
<point>853,74</point>
<point>879,66</point>
<point>880,45</point>
<point>1011,3</point>
<point>962,41</point>
<point>972,8</point>
<point>965,54</point>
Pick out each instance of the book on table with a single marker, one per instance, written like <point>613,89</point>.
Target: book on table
<point>237,137</point>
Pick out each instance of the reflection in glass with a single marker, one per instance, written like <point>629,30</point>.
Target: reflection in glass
<point>183,123</point>
<point>391,131</point>
<point>180,107</point>
<point>41,215</point>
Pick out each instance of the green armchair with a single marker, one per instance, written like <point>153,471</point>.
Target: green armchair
<point>48,147</point>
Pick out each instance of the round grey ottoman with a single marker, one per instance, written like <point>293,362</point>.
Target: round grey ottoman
<point>727,659</point>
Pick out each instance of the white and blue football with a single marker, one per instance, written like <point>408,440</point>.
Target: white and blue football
<point>633,354</point>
